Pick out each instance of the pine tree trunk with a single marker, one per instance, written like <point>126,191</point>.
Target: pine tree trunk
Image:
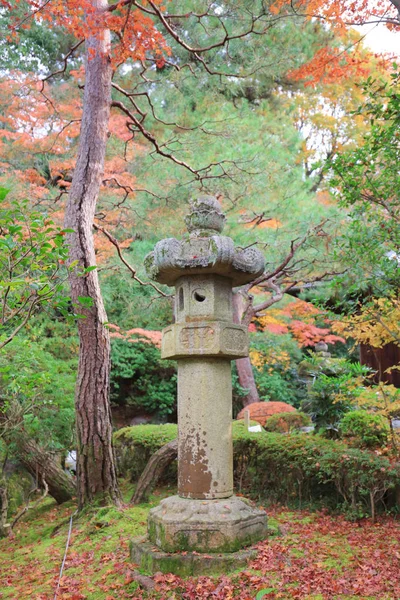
<point>96,471</point>
<point>41,465</point>
<point>242,315</point>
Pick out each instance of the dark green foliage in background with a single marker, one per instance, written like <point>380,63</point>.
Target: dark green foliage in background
<point>276,380</point>
<point>129,304</point>
<point>332,385</point>
<point>43,386</point>
<point>139,378</point>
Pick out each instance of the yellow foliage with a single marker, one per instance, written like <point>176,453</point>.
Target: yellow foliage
<point>377,324</point>
<point>272,358</point>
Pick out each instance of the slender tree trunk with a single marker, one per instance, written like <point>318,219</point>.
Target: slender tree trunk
<point>96,471</point>
<point>157,464</point>
<point>247,381</point>
<point>4,526</point>
<point>242,314</point>
<point>42,466</point>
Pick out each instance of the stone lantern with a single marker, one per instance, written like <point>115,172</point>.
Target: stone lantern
<point>205,516</point>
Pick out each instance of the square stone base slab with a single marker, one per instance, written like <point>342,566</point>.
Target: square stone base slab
<point>152,560</point>
<point>207,526</point>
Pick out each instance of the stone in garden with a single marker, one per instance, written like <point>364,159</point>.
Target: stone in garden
<point>246,416</point>
<point>205,517</point>
<point>322,349</point>
<point>261,411</point>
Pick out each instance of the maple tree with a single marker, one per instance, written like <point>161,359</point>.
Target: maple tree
<point>326,113</point>
<point>300,319</point>
<point>376,324</point>
<point>295,270</point>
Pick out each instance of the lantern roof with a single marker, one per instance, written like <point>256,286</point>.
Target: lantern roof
<point>204,251</point>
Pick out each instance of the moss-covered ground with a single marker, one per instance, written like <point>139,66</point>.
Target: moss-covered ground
<point>312,556</point>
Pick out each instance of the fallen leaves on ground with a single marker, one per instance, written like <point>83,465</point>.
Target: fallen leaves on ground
<point>316,557</point>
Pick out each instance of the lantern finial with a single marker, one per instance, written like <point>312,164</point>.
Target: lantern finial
<point>206,217</point>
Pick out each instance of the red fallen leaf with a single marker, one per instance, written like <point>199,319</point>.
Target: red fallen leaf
<point>128,577</point>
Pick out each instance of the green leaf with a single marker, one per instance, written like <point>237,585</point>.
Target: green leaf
<point>85,301</point>
<point>3,193</point>
<point>264,592</point>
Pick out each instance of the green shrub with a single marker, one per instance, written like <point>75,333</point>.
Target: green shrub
<point>287,422</point>
<point>135,445</point>
<point>43,386</point>
<point>19,484</point>
<point>302,468</point>
<point>322,401</point>
<point>275,386</point>
<point>140,378</point>
<point>278,378</point>
<point>364,430</point>
<point>292,469</point>
<point>333,384</point>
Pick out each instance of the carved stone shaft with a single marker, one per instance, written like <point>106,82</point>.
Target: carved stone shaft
<point>205,455</point>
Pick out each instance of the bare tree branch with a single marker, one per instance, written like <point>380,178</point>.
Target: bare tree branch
<point>114,242</point>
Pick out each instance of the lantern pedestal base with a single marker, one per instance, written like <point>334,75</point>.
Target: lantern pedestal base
<point>153,560</point>
<point>206,526</point>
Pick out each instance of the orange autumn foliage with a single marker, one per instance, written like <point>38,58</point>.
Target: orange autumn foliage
<point>329,65</point>
<point>267,224</point>
<point>309,335</point>
<point>136,334</point>
<point>261,411</point>
<point>133,29</point>
<point>299,319</point>
<point>339,12</point>
<point>349,61</point>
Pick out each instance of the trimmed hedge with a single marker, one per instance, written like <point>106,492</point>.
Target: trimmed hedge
<point>308,468</point>
<point>287,422</point>
<point>297,468</point>
<point>135,445</point>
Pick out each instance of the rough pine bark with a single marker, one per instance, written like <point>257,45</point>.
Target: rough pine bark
<point>96,471</point>
<point>241,315</point>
